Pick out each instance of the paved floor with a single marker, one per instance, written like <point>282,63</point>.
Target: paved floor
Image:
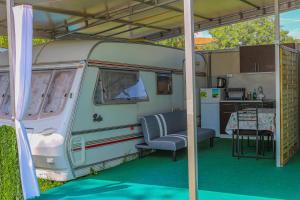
<point>157,177</point>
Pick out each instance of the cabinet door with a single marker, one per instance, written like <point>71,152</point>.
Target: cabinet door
<point>248,59</point>
<point>225,112</point>
<point>266,58</point>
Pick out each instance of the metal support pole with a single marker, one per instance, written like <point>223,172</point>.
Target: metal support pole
<point>190,99</point>
<point>277,73</point>
<point>11,46</point>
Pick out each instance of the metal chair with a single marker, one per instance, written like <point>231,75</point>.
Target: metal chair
<point>246,113</point>
<point>269,135</point>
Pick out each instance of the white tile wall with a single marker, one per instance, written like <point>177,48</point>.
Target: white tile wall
<point>253,80</point>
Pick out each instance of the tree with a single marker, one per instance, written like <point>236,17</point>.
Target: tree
<point>36,41</point>
<point>177,42</point>
<point>3,42</point>
<point>254,32</point>
<point>259,31</point>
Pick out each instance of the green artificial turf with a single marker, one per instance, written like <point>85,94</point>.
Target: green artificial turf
<point>157,177</point>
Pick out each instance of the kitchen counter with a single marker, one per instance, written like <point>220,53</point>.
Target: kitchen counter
<point>248,101</point>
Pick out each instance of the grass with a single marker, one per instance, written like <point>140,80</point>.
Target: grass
<point>48,184</point>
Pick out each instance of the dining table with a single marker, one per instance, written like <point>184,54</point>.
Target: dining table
<point>266,121</point>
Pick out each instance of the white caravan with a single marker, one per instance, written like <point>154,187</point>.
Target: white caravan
<point>87,98</point>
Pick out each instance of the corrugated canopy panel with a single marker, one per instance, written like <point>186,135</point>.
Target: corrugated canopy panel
<point>137,19</point>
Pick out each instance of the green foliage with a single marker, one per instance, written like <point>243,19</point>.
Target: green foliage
<point>177,42</point>
<point>47,184</point>
<point>254,32</point>
<point>10,183</point>
<point>3,42</point>
<point>35,41</point>
<point>259,31</point>
<point>93,171</point>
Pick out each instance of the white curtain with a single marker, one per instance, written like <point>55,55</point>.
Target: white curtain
<point>23,60</point>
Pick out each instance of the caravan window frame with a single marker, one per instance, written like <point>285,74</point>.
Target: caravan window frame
<point>170,80</point>
<point>37,115</point>
<point>40,114</point>
<point>116,102</point>
<point>4,96</point>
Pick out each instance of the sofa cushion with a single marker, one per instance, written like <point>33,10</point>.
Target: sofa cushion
<point>151,128</point>
<point>169,142</point>
<point>204,134</point>
<point>174,121</point>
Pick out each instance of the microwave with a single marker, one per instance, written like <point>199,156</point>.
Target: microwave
<point>235,93</point>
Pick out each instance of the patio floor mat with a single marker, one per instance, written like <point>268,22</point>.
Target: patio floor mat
<point>157,177</point>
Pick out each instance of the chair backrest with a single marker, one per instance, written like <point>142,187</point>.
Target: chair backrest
<point>174,121</point>
<point>247,113</point>
<point>150,127</point>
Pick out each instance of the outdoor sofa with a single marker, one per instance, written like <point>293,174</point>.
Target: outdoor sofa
<point>168,131</point>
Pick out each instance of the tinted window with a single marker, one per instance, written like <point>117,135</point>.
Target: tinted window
<point>119,87</point>
<point>39,84</point>
<point>49,92</point>
<point>164,83</point>
<point>58,91</point>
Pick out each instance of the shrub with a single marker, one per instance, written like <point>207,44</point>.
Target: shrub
<point>10,182</point>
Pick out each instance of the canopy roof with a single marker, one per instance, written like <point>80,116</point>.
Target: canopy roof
<point>137,19</point>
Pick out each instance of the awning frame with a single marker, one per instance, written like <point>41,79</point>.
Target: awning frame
<point>119,15</point>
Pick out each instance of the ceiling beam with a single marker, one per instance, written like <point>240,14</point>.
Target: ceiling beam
<point>250,4</point>
<point>107,30</point>
<point>126,22</point>
<point>91,16</point>
<point>105,13</point>
<point>135,28</point>
<point>57,10</point>
<point>172,8</point>
<point>102,20</point>
<point>122,25</point>
<point>100,17</point>
<point>125,31</point>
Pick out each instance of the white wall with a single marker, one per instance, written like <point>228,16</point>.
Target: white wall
<point>251,81</point>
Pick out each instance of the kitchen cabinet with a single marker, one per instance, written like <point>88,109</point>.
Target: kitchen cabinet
<point>228,107</point>
<point>225,112</point>
<point>226,62</point>
<point>259,58</point>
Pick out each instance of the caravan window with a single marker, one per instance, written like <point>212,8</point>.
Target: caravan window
<point>119,87</point>
<point>58,91</point>
<point>49,92</point>
<point>4,98</point>
<point>164,83</point>
<point>39,83</point>
<point>4,84</point>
